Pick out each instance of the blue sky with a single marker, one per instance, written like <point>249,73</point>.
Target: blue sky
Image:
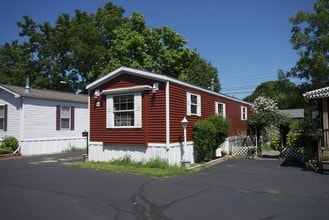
<point>246,40</point>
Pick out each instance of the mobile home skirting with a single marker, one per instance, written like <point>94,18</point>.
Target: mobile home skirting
<point>51,145</point>
<point>174,153</point>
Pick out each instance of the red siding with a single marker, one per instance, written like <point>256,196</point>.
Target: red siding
<point>178,111</point>
<point>157,115</point>
<point>154,113</point>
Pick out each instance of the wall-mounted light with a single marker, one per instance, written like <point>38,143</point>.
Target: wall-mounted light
<point>155,87</point>
<point>97,93</point>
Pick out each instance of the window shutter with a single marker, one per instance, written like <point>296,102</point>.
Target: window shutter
<point>72,118</point>
<point>224,110</point>
<point>188,103</point>
<point>243,113</point>
<point>199,105</point>
<point>5,113</point>
<point>138,110</point>
<point>109,112</point>
<point>58,117</point>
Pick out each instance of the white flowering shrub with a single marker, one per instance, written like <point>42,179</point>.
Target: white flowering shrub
<point>264,104</point>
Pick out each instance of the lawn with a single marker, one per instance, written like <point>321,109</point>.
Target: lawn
<point>156,168</point>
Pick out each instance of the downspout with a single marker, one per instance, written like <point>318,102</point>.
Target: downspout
<point>21,126</point>
<point>167,117</point>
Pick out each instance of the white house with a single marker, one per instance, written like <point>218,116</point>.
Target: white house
<point>43,121</point>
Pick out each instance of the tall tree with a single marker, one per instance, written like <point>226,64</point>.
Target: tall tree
<point>200,72</point>
<point>310,38</point>
<point>79,49</point>
<point>285,93</point>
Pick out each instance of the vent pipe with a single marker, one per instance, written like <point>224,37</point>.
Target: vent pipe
<point>212,85</point>
<point>27,85</point>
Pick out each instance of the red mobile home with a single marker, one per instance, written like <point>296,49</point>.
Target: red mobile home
<point>138,114</point>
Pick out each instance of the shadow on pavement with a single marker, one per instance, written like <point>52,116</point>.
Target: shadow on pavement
<point>293,163</point>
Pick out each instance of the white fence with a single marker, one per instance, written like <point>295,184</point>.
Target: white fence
<point>51,145</point>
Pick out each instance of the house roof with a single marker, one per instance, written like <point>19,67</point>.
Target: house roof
<point>154,76</point>
<point>18,92</point>
<point>317,94</point>
<point>292,113</point>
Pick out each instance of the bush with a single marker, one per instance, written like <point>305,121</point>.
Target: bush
<point>8,145</point>
<point>208,135</point>
<point>204,138</point>
<point>222,126</point>
<point>276,142</point>
<point>251,152</point>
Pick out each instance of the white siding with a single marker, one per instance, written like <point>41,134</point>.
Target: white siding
<point>13,120</point>
<point>174,153</point>
<point>40,119</point>
<point>40,135</point>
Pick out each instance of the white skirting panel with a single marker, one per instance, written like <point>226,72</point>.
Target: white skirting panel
<point>51,145</point>
<point>174,153</point>
<point>224,148</point>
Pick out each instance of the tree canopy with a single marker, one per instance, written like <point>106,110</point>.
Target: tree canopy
<point>285,93</point>
<point>79,49</point>
<point>310,38</point>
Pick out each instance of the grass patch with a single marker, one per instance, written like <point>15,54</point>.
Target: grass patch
<point>156,168</point>
<point>272,191</point>
<point>74,149</point>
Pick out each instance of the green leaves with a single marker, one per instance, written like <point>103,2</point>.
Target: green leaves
<point>84,47</point>
<point>310,38</point>
<point>208,134</point>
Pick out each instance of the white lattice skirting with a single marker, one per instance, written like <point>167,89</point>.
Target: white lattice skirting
<point>241,150</point>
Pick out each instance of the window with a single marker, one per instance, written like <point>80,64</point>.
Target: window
<point>64,117</point>
<point>244,113</point>
<point>220,109</point>
<point>193,104</point>
<point>124,111</point>
<point>3,117</point>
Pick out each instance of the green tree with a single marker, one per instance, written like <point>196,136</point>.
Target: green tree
<point>310,38</point>
<point>200,72</point>
<point>84,47</point>
<point>266,114</point>
<point>14,61</point>
<point>285,93</point>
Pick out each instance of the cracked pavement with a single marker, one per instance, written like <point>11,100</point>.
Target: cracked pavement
<point>46,187</point>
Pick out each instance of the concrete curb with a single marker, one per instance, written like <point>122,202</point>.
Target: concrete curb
<point>209,164</point>
<point>8,156</point>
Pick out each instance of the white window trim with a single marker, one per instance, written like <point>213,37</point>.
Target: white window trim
<point>61,117</point>
<point>224,108</point>
<point>137,111</point>
<point>188,102</point>
<point>244,113</point>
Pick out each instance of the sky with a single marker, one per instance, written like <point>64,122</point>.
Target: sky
<point>246,40</point>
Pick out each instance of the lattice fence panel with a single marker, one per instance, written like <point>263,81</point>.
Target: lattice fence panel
<point>292,153</point>
<point>241,150</point>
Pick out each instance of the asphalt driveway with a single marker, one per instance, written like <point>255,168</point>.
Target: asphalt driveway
<point>46,187</point>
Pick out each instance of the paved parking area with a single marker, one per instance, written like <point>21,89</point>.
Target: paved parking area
<point>46,187</point>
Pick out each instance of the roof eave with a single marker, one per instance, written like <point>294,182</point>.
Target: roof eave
<point>16,95</point>
<point>159,77</point>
